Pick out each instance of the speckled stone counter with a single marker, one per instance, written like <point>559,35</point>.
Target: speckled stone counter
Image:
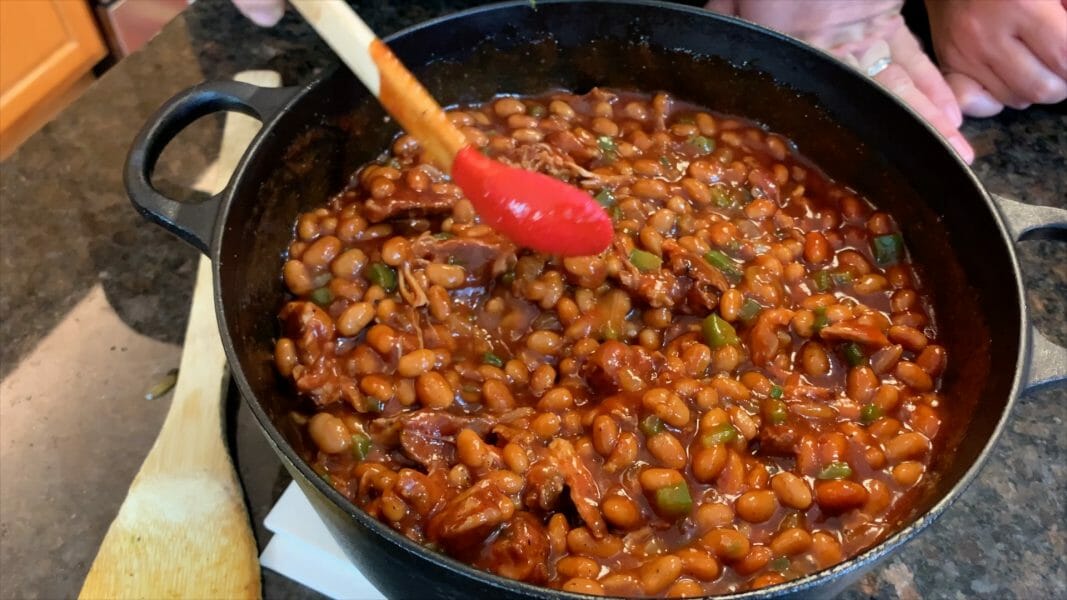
<point>93,305</point>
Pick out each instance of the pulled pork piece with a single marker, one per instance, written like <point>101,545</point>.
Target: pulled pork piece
<point>854,331</point>
<point>427,438</point>
<point>483,258</point>
<point>613,362</point>
<point>544,485</point>
<point>466,521</point>
<point>520,550</point>
<point>318,375</point>
<point>659,288</point>
<point>777,440</point>
<point>405,202</point>
<point>556,162</point>
<point>410,290</point>
<point>584,490</point>
<point>708,281</point>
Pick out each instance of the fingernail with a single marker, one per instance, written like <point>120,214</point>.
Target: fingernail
<point>981,105</point>
<point>962,148</point>
<point>266,15</point>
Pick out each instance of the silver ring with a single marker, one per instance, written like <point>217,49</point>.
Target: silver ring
<point>875,59</point>
<point>879,65</point>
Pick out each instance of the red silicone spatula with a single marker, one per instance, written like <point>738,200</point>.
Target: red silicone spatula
<point>532,209</point>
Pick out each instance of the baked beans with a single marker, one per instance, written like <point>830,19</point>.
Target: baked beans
<point>742,390</point>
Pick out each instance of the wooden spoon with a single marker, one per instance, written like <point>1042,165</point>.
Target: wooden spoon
<point>534,210</point>
<point>183,530</point>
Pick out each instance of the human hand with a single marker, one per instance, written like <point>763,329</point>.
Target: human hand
<point>1003,52</point>
<point>264,13</point>
<point>864,33</point>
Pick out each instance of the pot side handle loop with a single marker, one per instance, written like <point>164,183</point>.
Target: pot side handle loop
<point>1048,360</point>
<point>192,222</point>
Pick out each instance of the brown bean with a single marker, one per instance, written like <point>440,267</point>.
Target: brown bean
<point>909,337</point>
<point>605,433</point>
<point>621,512</point>
<point>581,585</point>
<point>544,342</point>
<point>699,564</point>
<point>355,318</point>
<point>861,384</point>
<point>416,363</point>
<point>756,559</point>
<point>908,473</point>
<point>581,541</point>
<point>932,360</point>
<point>825,549</point>
<point>684,588</point>
<point>792,491</point>
<point>321,252</point>
<point>497,396</point>
<point>840,495</point>
<point>816,249</point>
<point>666,405</point>
<point>298,278</point>
<point>434,390</point>
<point>285,357</point>
<point>349,264</point>
<point>908,445</point>
<point>329,433</point>
<point>653,478</point>
<point>578,566</point>
<point>814,359</point>
<point>756,506</point>
<point>657,574</point>
<point>913,376</point>
<point>446,276</point>
<point>791,541</point>
<point>666,448</point>
<point>505,107</point>
<point>652,189</point>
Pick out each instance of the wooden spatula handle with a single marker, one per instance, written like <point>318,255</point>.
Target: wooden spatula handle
<point>384,75</point>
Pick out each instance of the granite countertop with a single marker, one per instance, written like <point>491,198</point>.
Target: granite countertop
<point>93,305</point>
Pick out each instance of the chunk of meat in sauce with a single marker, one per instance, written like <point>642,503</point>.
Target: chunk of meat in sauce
<point>406,203</point>
<point>777,440</point>
<point>584,490</point>
<point>466,520</point>
<point>544,486</point>
<point>520,550</point>
<point>660,289</point>
<point>708,282</point>
<point>612,361</point>
<point>427,438</point>
<point>483,258</point>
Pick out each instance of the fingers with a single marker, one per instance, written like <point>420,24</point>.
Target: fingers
<point>906,52</point>
<point>723,7</point>
<point>974,100</point>
<point>265,13</point>
<point>1048,40</point>
<point>1027,75</point>
<point>986,75</point>
<point>896,79</point>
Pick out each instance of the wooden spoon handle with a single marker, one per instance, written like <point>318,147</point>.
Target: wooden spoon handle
<point>384,75</point>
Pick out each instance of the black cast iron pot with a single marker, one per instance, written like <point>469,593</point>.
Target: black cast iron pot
<point>315,136</point>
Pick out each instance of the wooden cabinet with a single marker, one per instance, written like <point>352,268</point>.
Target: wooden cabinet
<point>47,49</point>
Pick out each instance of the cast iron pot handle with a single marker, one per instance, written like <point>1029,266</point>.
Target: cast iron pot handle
<point>1048,360</point>
<point>193,223</point>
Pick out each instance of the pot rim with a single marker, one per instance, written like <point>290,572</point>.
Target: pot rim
<point>807,583</point>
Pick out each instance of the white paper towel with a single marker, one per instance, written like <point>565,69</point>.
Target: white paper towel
<point>303,550</point>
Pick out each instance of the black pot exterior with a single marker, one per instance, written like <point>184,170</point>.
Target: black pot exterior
<point>840,120</point>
